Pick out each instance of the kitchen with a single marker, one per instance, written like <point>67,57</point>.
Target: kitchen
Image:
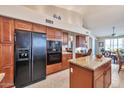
<point>57,46</point>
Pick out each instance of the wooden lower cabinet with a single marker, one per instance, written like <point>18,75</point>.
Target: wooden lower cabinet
<point>7,64</point>
<point>79,77</point>
<point>99,82</point>
<point>107,77</point>
<point>65,58</point>
<point>65,65</point>
<point>8,80</point>
<point>85,78</point>
<point>59,66</point>
<point>54,68</point>
<point>104,80</point>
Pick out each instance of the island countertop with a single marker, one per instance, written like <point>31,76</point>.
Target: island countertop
<point>90,62</point>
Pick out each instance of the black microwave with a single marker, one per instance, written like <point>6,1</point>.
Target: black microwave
<point>54,46</point>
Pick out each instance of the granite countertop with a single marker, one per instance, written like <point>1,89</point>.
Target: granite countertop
<point>2,76</point>
<point>66,52</point>
<point>90,62</point>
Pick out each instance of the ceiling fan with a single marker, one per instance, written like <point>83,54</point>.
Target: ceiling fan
<point>113,34</point>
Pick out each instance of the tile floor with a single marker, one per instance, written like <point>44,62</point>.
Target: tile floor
<point>61,80</point>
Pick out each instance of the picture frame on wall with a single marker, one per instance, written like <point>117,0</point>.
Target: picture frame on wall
<point>101,44</point>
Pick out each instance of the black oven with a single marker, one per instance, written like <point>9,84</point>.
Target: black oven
<point>53,58</point>
<point>54,52</point>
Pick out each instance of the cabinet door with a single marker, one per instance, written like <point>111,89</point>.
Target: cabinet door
<point>22,25</point>
<point>58,34</point>
<point>77,41</point>
<point>65,38</point>
<point>39,28</point>
<point>107,78</point>
<point>6,54</point>
<point>80,41</point>
<point>99,82</point>
<point>79,77</point>
<point>51,33</point>
<point>8,79</point>
<point>6,30</point>
<point>65,63</point>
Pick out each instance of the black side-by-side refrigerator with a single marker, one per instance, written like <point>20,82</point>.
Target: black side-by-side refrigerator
<point>30,57</point>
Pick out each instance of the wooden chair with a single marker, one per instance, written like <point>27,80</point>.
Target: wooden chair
<point>120,60</point>
<point>88,53</point>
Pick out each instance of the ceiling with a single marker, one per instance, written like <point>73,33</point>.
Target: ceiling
<point>100,19</point>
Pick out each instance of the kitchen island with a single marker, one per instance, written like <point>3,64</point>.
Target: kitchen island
<point>90,72</point>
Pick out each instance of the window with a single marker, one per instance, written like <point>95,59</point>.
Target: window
<point>107,44</point>
<point>114,44</point>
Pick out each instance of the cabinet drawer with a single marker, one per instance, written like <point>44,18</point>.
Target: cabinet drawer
<point>54,68</point>
<point>23,25</point>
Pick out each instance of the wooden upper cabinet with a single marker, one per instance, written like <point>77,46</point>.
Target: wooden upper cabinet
<point>39,28</point>
<point>51,33</point>
<point>6,30</point>
<point>65,38</point>
<point>6,54</point>
<point>23,25</point>
<point>80,41</point>
<point>58,34</point>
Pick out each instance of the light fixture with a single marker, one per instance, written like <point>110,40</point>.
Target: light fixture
<point>113,34</point>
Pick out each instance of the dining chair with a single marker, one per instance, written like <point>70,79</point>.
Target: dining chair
<point>120,59</point>
<point>88,53</point>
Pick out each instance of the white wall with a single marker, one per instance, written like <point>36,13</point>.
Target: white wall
<point>97,44</point>
<point>67,16</point>
<point>21,12</point>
